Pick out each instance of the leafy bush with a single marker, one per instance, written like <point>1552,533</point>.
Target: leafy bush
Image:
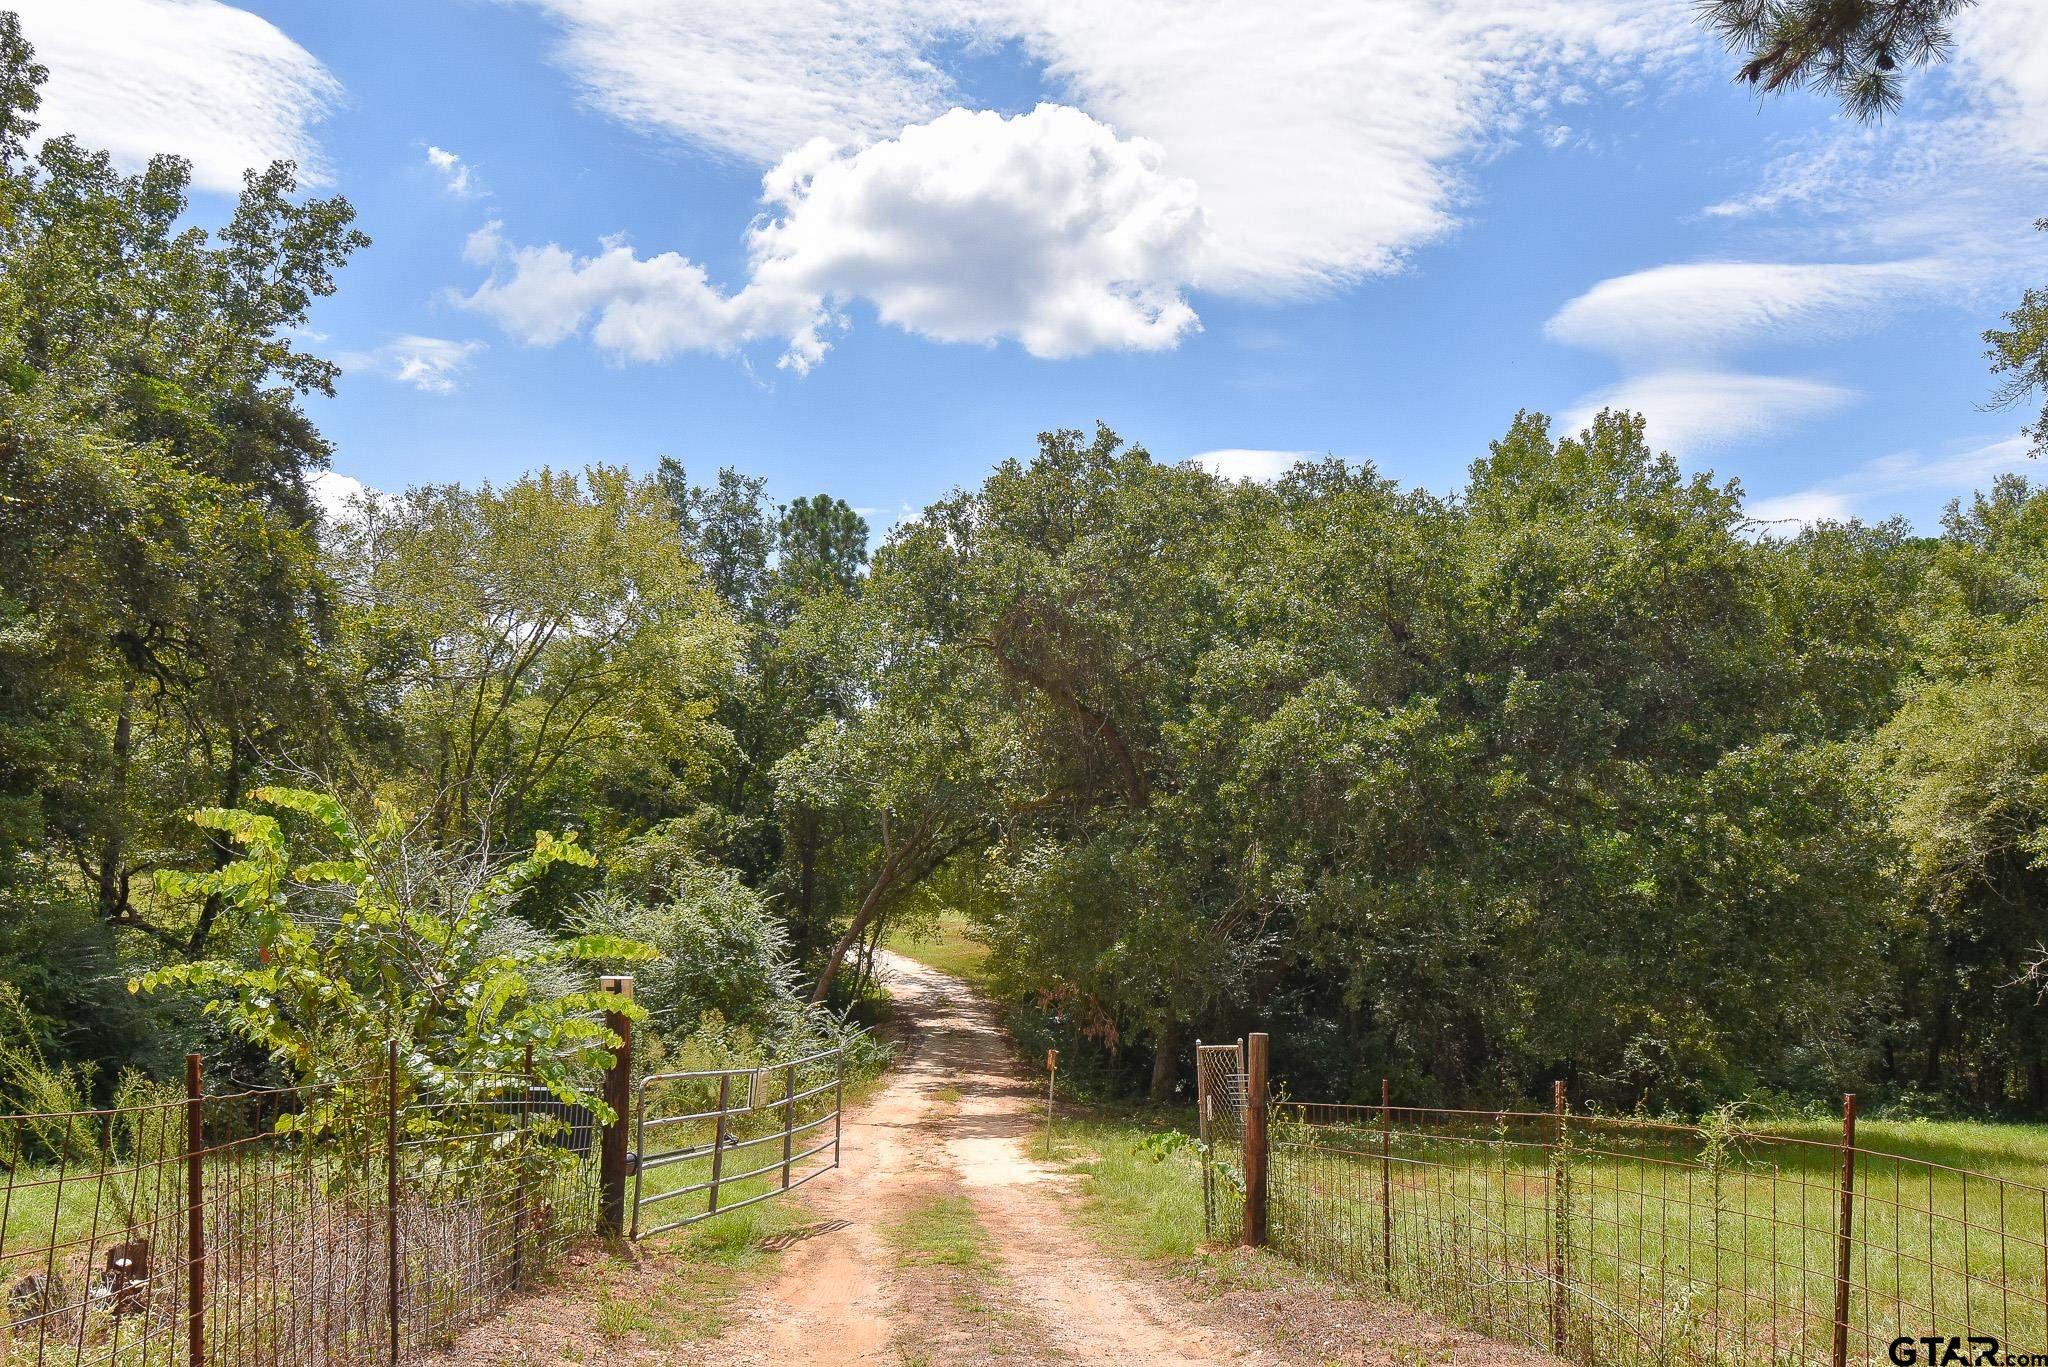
<point>360,936</point>
<point>721,988</point>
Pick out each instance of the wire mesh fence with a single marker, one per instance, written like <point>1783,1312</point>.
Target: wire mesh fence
<point>369,1222</point>
<point>1612,1240</point>
<point>1220,1104</point>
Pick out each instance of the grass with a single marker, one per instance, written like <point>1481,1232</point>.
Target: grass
<point>942,1231</point>
<point>1693,1250</point>
<point>700,1275</point>
<point>1676,1252</point>
<point>1139,1204</point>
<point>946,942</point>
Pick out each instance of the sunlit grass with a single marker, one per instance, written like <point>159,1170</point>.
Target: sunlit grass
<point>1696,1250</point>
<point>705,1270</point>
<point>946,942</point>
<point>1673,1253</point>
<point>941,1231</point>
<point>1140,1203</point>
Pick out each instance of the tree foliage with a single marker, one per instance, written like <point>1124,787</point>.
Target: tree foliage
<point>356,940</point>
<point>161,604</point>
<point>528,644</point>
<point>1854,50</point>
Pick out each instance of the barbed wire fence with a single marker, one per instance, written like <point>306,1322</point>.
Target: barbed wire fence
<point>1611,1240</point>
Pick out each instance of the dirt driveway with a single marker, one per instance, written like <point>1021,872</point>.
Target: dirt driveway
<point>950,1131</point>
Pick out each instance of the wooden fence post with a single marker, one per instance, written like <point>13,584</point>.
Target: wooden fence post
<point>195,1211</point>
<point>618,1098</point>
<point>1258,1065</point>
<point>1387,1182</point>
<point>1560,1221</point>
<point>1844,1231</point>
<point>1052,1071</point>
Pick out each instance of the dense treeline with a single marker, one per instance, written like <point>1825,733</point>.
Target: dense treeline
<point>1576,772</point>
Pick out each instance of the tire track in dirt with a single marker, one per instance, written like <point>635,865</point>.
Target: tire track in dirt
<point>957,1117</point>
<point>952,1120</point>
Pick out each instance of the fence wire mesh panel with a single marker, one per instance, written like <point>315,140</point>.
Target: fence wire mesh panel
<point>718,1139</point>
<point>317,1225</point>
<point>1219,1102</point>
<point>495,1178</point>
<point>1622,1241</point>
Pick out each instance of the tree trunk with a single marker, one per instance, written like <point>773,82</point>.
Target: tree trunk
<point>1165,1062</point>
<point>870,907</point>
<point>112,887</point>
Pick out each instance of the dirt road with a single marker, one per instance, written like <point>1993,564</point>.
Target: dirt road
<point>953,1130</point>
<point>953,1120</point>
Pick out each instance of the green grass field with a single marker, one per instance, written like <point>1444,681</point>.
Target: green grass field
<point>1685,1250</point>
<point>1673,1255</point>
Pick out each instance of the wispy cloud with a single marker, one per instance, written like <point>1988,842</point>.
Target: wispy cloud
<point>1263,107</point>
<point>1906,472</point>
<point>432,365</point>
<point>205,80</point>
<point>1687,411</point>
<point>1710,307</point>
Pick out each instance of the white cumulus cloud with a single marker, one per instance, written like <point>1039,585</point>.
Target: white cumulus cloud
<point>338,496</point>
<point>1693,410</point>
<point>1326,136</point>
<point>1243,463</point>
<point>1045,227</point>
<point>205,80</point>
<point>455,173</point>
<point>432,365</point>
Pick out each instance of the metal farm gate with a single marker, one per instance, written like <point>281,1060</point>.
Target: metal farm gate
<point>717,1139</point>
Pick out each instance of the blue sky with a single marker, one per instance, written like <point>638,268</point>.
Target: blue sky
<point>873,248</point>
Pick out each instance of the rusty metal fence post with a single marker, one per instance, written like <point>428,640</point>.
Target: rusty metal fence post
<point>1387,1182</point>
<point>1560,1220</point>
<point>1256,1150</point>
<point>1844,1232</point>
<point>391,1267</point>
<point>618,1098</point>
<point>195,1211</point>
